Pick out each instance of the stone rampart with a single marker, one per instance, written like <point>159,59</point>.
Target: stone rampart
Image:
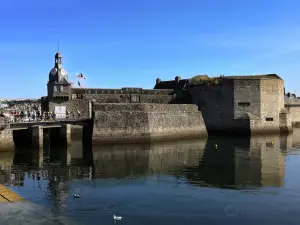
<point>240,104</point>
<point>124,95</point>
<point>293,107</point>
<point>294,110</point>
<point>145,122</point>
<point>6,140</point>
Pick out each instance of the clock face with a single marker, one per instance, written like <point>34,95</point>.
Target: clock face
<point>53,71</point>
<point>63,72</point>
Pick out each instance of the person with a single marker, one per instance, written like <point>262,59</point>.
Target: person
<point>33,113</point>
<point>38,114</point>
<point>53,115</point>
<point>12,117</point>
<point>22,115</point>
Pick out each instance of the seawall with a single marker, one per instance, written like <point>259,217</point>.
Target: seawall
<point>6,140</point>
<point>146,122</point>
<point>294,110</point>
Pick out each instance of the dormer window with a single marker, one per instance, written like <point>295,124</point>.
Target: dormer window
<point>58,61</point>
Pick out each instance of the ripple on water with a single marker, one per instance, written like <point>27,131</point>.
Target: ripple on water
<point>181,182</point>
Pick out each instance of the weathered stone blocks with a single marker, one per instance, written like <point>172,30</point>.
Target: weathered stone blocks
<point>6,140</point>
<point>145,122</point>
<point>65,133</point>
<point>37,136</point>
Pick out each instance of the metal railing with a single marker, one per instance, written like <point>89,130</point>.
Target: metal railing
<point>46,116</point>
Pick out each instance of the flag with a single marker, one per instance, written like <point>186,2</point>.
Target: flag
<point>80,75</point>
<point>78,84</point>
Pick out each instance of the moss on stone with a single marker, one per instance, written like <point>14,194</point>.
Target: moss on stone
<point>204,80</point>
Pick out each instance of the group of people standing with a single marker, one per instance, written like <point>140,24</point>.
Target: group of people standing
<point>18,116</point>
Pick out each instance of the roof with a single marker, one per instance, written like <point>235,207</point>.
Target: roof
<point>263,76</point>
<point>170,84</point>
<point>58,55</point>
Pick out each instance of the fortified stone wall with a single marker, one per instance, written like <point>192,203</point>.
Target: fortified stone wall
<point>6,140</point>
<point>247,97</point>
<point>215,102</point>
<point>124,95</point>
<point>295,113</point>
<point>145,122</point>
<point>293,107</point>
<point>253,104</point>
<point>272,102</point>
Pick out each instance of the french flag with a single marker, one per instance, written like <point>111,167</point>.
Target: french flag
<point>80,75</point>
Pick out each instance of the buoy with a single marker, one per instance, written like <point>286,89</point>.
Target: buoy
<point>117,217</point>
<point>76,196</point>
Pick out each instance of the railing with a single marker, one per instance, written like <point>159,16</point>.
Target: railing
<point>45,117</point>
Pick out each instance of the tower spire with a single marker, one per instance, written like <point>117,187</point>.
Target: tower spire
<point>58,44</point>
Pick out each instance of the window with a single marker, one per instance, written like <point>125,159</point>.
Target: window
<point>270,144</point>
<point>79,96</point>
<point>244,104</point>
<point>135,98</point>
<point>269,118</point>
<point>55,88</point>
<point>61,88</point>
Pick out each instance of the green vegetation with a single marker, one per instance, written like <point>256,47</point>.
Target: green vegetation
<point>202,80</point>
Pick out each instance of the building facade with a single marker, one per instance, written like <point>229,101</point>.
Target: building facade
<point>254,104</point>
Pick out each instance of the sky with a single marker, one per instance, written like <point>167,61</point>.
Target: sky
<point>130,43</point>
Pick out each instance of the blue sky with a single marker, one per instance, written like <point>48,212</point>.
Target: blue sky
<point>129,43</point>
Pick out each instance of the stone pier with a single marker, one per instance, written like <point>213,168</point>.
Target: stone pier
<point>37,136</point>
<point>65,133</point>
<point>6,140</point>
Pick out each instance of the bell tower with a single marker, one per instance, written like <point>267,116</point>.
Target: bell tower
<point>58,84</point>
<point>58,60</point>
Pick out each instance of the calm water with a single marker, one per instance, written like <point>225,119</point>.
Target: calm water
<point>214,181</point>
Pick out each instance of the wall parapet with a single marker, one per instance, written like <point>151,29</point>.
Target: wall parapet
<point>122,91</point>
<point>146,106</point>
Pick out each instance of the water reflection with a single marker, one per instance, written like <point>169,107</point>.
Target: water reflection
<point>52,175</point>
<point>221,162</point>
<point>242,162</point>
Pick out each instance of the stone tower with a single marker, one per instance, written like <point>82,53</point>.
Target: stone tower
<point>58,84</point>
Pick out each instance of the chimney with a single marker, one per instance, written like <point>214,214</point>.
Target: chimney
<point>177,79</point>
<point>158,80</point>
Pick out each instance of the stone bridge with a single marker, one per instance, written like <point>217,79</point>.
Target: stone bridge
<point>46,124</point>
<point>32,132</point>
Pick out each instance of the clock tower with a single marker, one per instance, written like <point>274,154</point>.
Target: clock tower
<point>58,84</point>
